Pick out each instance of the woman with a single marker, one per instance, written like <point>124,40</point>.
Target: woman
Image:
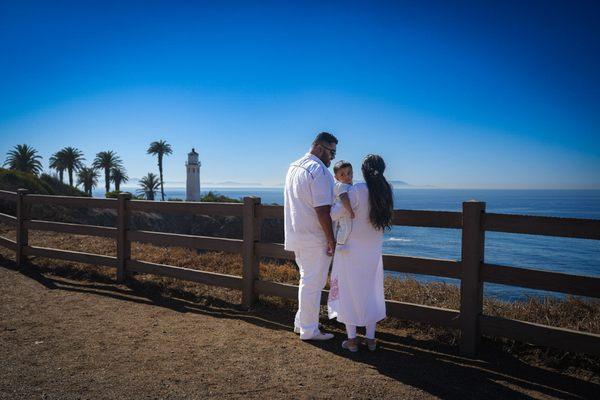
<point>356,295</point>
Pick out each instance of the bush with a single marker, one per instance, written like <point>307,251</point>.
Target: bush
<point>12,180</point>
<point>115,194</point>
<point>61,188</point>
<point>218,198</point>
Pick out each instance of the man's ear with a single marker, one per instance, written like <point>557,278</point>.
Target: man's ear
<point>318,151</point>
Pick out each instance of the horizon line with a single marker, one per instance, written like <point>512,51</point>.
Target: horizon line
<point>410,187</point>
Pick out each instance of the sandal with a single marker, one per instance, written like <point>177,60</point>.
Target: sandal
<point>348,345</point>
<point>370,343</point>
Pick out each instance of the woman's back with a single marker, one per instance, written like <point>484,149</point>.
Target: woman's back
<point>362,228</point>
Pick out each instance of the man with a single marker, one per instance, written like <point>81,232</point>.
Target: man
<point>308,231</point>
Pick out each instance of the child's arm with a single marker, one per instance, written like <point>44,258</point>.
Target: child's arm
<point>346,202</point>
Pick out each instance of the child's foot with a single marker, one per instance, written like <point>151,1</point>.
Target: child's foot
<point>370,343</point>
<point>350,344</point>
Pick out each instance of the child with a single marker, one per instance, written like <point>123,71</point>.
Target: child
<point>343,175</point>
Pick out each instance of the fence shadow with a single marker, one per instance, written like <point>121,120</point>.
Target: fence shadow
<point>425,364</point>
<point>440,371</point>
<point>147,293</point>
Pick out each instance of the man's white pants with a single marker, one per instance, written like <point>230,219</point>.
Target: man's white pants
<point>314,266</point>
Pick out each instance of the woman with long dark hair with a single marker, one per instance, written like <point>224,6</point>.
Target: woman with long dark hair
<point>356,296</point>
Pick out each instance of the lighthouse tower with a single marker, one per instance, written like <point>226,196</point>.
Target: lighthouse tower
<point>192,185</point>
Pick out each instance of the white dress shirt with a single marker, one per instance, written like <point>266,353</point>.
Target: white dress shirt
<point>308,184</point>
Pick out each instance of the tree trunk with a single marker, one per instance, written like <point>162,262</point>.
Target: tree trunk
<point>117,185</point>
<point>160,171</point>
<point>107,179</point>
<point>61,175</point>
<point>70,176</point>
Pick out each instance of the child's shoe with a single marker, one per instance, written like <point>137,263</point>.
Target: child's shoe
<point>370,343</point>
<point>350,345</point>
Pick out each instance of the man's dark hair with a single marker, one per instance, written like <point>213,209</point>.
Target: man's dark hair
<point>341,164</point>
<point>324,137</point>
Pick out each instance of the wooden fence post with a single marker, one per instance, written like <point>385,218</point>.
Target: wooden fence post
<point>471,285</point>
<point>250,266</point>
<point>22,231</point>
<point>123,245</point>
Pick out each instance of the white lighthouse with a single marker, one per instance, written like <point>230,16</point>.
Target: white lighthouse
<point>192,185</point>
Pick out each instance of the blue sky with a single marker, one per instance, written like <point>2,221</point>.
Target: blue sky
<point>451,94</point>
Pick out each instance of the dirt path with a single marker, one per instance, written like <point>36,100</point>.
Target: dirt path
<point>67,339</point>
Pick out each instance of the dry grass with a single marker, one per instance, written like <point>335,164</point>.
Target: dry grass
<point>570,312</point>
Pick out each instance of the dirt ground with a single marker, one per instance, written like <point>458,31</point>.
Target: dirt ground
<point>79,339</point>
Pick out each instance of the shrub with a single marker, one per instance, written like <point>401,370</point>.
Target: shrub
<point>115,194</point>
<point>12,180</point>
<point>218,198</point>
<point>61,188</point>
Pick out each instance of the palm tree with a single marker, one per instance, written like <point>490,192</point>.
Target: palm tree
<point>72,159</point>
<point>160,149</point>
<point>149,185</point>
<point>88,177</point>
<point>118,176</point>
<point>57,162</point>
<point>106,160</point>
<point>24,158</point>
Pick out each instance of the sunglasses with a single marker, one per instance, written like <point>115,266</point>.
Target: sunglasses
<point>331,151</point>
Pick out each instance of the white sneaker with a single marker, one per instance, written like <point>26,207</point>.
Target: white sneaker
<point>321,336</point>
<point>297,328</point>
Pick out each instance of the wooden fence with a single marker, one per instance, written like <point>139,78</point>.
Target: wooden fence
<point>471,269</point>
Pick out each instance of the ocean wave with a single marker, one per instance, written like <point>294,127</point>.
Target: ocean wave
<point>394,239</point>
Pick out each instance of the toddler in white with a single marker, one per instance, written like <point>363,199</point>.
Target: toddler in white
<point>343,181</point>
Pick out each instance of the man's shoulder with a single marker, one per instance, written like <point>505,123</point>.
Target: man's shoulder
<point>311,166</point>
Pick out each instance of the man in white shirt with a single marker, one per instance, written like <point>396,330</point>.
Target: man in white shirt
<point>308,229</point>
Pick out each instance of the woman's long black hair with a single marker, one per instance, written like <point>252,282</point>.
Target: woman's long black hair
<point>380,192</point>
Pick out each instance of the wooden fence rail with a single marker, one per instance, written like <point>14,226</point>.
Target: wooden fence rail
<point>471,269</point>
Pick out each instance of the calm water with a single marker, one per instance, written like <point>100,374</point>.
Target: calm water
<point>573,256</point>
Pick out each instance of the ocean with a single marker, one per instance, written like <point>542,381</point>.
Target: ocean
<point>572,256</point>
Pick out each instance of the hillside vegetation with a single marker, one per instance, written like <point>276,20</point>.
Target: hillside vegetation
<point>45,184</point>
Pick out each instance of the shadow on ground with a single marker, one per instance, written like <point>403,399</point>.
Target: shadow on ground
<point>428,365</point>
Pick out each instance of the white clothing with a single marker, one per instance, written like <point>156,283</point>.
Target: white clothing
<point>369,331</point>
<point>314,266</point>
<point>343,226</point>
<point>308,184</point>
<point>341,187</point>
<point>356,295</point>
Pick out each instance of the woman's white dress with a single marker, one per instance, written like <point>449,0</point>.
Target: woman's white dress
<point>356,294</point>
